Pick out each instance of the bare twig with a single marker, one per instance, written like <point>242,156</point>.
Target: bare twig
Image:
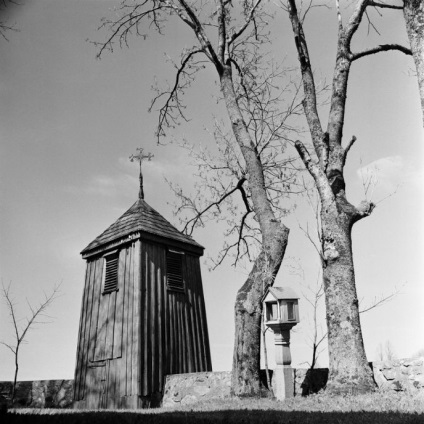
<point>31,321</point>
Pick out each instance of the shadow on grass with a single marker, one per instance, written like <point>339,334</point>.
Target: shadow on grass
<point>227,416</point>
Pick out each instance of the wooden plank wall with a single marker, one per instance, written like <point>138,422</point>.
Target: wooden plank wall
<point>174,328</point>
<point>130,339</point>
<point>108,346</point>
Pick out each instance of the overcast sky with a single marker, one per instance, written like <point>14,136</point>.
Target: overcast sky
<point>69,122</point>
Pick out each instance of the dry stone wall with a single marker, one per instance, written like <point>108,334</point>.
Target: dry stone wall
<point>402,374</point>
<point>39,394</point>
<point>183,389</point>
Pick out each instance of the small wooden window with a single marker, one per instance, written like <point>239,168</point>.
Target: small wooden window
<point>272,311</point>
<point>290,311</point>
<point>111,273</point>
<point>174,270</point>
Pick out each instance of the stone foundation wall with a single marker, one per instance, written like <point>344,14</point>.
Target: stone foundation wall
<point>183,389</point>
<point>400,374</point>
<point>39,394</point>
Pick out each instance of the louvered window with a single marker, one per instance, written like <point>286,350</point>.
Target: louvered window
<point>174,270</point>
<point>111,273</point>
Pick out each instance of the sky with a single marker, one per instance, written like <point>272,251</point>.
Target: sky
<point>69,122</point>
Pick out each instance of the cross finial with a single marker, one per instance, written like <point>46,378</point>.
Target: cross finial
<point>139,157</point>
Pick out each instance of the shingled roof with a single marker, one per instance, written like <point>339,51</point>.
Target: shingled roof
<point>283,292</point>
<point>140,217</point>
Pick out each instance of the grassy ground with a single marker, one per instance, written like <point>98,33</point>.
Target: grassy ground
<point>379,407</point>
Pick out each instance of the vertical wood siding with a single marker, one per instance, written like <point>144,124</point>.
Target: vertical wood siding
<point>131,338</point>
<point>174,328</point>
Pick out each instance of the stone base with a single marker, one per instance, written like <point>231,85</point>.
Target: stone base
<point>38,394</point>
<point>184,389</point>
<point>283,382</point>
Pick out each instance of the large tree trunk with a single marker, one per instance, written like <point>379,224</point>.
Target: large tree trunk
<point>248,306</point>
<point>349,369</point>
<point>413,12</point>
<point>248,315</point>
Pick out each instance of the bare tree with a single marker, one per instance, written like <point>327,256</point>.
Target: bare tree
<point>4,24</point>
<point>240,32</point>
<point>37,316</point>
<point>386,352</point>
<point>413,11</point>
<point>349,370</point>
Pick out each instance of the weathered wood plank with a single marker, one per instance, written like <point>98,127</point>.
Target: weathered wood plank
<point>142,314</point>
<point>180,336</point>
<point>187,314</point>
<point>197,326</point>
<point>185,335</point>
<point>100,350</point>
<point>118,329</point>
<point>86,331</point>
<point>96,376</point>
<point>110,324</point>
<point>117,381</point>
<point>190,316</point>
<point>160,319</point>
<point>145,327</point>
<point>80,350</point>
<point>128,332</point>
<point>166,321</point>
<point>135,376</point>
<point>171,326</point>
<point>203,320</point>
<point>111,394</point>
<point>153,319</point>
<point>92,305</point>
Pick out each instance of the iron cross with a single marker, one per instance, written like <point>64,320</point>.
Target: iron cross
<point>140,157</point>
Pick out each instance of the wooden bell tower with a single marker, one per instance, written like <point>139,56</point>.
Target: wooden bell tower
<point>143,312</point>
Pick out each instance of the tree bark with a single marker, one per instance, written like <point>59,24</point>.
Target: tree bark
<point>349,369</point>
<point>248,305</point>
<point>413,13</point>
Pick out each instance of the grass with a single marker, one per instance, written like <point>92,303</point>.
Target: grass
<point>380,407</point>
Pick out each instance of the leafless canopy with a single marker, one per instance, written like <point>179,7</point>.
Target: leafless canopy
<point>21,327</point>
<point>265,95</point>
<point>5,26</point>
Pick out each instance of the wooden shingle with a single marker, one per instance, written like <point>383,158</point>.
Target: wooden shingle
<point>140,218</point>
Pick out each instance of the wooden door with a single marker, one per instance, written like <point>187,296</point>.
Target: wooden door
<point>96,385</point>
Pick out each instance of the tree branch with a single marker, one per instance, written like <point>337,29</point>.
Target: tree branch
<point>364,209</point>
<point>173,103</point>
<point>381,48</point>
<point>202,37</point>
<point>249,19</point>
<point>355,21</point>
<point>384,6</point>
<point>310,100</point>
<point>378,302</point>
<point>193,221</point>
<point>347,148</point>
<point>310,164</point>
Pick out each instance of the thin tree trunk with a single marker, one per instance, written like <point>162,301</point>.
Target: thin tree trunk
<point>413,12</point>
<point>15,378</point>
